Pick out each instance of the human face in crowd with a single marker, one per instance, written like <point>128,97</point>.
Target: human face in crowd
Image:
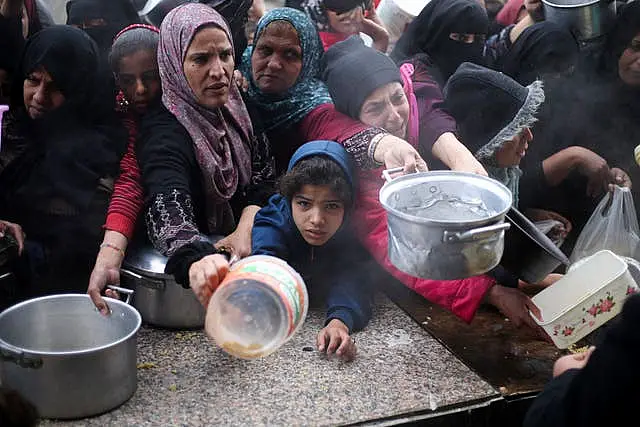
<point>346,22</point>
<point>90,23</point>
<point>139,80</point>
<point>467,38</point>
<point>276,62</point>
<point>387,108</point>
<point>318,213</point>
<point>513,151</point>
<point>40,93</point>
<point>629,63</point>
<point>208,67</point>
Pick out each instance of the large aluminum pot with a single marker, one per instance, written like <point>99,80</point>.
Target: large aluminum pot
<point>160,300</point>
<point>445,225</point>
<point>66,358</point>
<point>587,19</point>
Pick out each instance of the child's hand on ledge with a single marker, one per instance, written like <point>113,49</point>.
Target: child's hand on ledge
<point>334,338</point>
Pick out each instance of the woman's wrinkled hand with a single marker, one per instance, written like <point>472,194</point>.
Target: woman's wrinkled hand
<point>537,215</point>
<point>395,152</point>
<point>334,338</point>
<point>515,305</point>
<point>620,178</point>
<point>106,272</point>
<point>241,81</point>
<point>205,276</point>
<point>237,243</point>
<point>14,230</point>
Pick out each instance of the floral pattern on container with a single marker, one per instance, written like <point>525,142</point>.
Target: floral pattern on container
<point>603,306</point>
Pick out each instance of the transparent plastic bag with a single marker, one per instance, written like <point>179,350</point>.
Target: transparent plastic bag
<point>613,226</point>
<point>553,229</point>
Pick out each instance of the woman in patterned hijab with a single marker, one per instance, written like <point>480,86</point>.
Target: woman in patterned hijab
<point>286,108</point>
<point>196,148</point>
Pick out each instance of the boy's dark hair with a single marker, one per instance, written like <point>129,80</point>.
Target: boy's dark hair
<point>317,170</point>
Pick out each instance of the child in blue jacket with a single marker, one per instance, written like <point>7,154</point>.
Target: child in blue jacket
<point>306,224</point>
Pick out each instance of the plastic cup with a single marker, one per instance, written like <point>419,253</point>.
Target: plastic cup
<point>258,307</point>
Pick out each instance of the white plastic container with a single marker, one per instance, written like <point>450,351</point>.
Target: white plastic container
<point>588,296</point>
<point>3,109</point>
<point>396,15</point>
<point>258,307</point>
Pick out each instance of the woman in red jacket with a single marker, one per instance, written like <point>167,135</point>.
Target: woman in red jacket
<point>406,101</point>
<point>133,59</point>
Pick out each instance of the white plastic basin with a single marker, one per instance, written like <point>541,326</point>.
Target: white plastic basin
<point>588,296</point>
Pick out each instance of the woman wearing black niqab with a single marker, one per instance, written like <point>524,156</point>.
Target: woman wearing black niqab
<point>542,49</point>
<point>57,188</point>
<point>101,19</point>
<point>431,34</point>
<point>598,108</point>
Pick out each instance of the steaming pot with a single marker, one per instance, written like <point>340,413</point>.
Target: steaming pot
<point>461,237</point>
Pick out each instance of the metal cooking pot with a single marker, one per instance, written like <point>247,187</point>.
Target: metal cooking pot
<point>445,225</point>
<point>66,358</point>
<point>587,19</point>
<point>528,253</point>
<point>160,300</point>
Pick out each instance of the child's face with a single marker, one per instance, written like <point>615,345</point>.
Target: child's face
<point>318,213</point>
<point>347,22</point>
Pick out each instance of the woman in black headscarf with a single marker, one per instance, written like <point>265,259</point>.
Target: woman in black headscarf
<point>597,107</point>
<point>449,32</point>
<point>58,187</point>
<point>542,49</point>
<point>101,19</point>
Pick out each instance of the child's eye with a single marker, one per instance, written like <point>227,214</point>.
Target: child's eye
<point>333,206</point>
<point>303,204</point>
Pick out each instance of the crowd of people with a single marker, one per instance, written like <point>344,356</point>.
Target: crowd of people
<point>121,132</point>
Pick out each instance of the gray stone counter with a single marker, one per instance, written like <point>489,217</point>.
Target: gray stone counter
<point>400,369</point>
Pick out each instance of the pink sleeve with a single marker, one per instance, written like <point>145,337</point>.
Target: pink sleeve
<point>326,123</point>
<point>462,297</point>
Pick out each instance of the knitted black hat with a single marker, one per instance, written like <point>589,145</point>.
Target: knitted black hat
<point>341,6</point>
<point>490,107</point>
<point>353,71</point>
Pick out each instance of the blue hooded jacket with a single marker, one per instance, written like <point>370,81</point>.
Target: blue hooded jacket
<point>338,270</point>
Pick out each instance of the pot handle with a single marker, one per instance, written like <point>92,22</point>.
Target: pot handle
<point>12,354</point>
<point>475,234</point>
<point>131,273</point>
<point>386,174</point>
<point>127,292</point>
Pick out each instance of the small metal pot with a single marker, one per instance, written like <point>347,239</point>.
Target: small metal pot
<point>67,359</point>
<point>587,19</point>
<point>160,300</point>
<point>462,237</point>
<point>528,253</point>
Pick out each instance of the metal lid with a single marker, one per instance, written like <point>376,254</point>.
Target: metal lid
<point>497,196</point>
<point>146,260</point>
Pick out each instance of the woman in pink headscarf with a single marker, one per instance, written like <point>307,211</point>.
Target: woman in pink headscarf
<point>202,166</point>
